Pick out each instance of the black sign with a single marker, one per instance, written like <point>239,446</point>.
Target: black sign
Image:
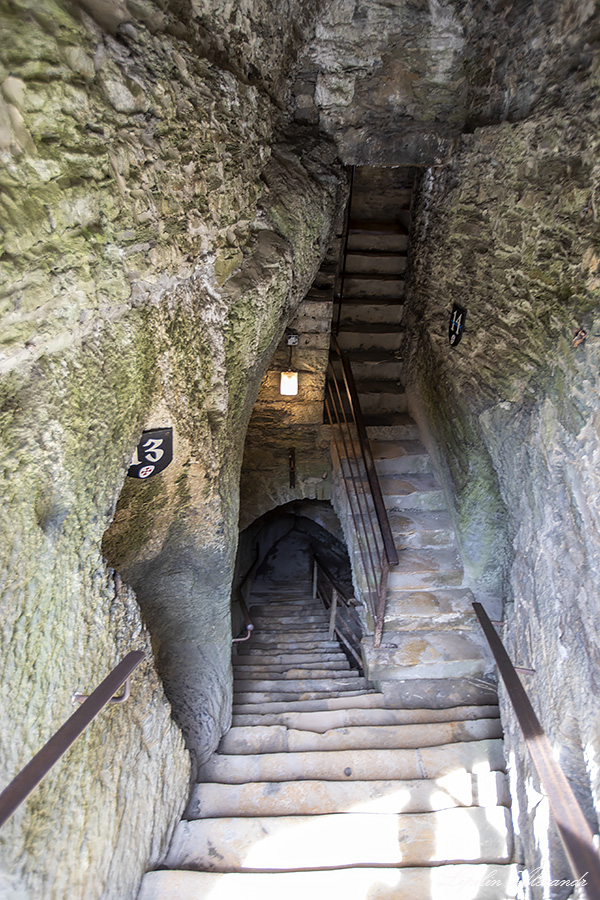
<point>457,325</point>
<point>154,453</point>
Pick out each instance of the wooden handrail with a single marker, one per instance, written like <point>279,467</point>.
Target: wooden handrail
<point>247,620</point>
<point>35,770</point>
<point>573,828</point>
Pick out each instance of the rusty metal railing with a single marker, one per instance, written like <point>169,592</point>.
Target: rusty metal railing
<point>344,622</point>
<point>30,776</point>
<point>376,546</point>
<point>573,828</point>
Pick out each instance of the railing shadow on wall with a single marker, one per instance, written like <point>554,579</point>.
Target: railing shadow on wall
<point>344,621</point>
<point>37,768</point>
<point>573,828</point>
<point>376,548</point>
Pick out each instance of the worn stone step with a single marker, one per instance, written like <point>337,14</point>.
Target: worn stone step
<point>407,430</point>
<point>371,700</point>
<point>280,739</point>
<point>427,654</point>
<point>372,286</point>
<point>272,643</point>
<point>373,364</point>
<point>298,660</point>
<point>306,659</point>
<point>454,882</point>
<point>440,567</point>
<point>281,671</point>
<point>299,685</point>
<point>365,310</point>
<point>466,834</point>
<point>402,458</point>
<point>364,337</point>
<point>412,491</point>
<point>356,765</point>
<point>416,529</point>
<point>342,718</point>
<point>289,696</point>
<point>416,610</point>
<point>308,798</point>
<point>298,618</point>
<point>285,638</point>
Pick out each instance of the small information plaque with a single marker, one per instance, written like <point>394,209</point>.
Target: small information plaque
<point>153,454</point>
<point>457,325</point>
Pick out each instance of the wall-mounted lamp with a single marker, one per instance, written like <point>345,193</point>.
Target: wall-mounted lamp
<point>288,383</point>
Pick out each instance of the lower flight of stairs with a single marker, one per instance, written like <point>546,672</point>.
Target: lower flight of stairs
<point>322,787</point>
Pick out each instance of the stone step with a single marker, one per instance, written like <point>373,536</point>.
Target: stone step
<point>288,696</point>
<point>308,798</point>
<point>276,644</point>
<point>372,700</point>
<point>427,654</point>
<point>292,638</point>
<point>454,882</point>
<point>356,765</point>
<point>362,336</point>
<point>401,458</point>
<point>298,685</point>
<point>298,660</point>
<point>382,403</point>
<point>466,834</point>
<point>342,718</point>
<point>361,287</point>
<point>365,310</point>
<point>277,671</point>
<point>373,364</point>
<point>384,261</point>
<point>425,569</point>
<point>276,610</point>
<point>407,430</point>
<point>422,529</point>
<point>412,491</point>
<point>416,610</point>
<point>295,621</point>
<point>306,659</point>
<point>251,739</point>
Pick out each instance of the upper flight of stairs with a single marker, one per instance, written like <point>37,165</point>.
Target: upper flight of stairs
<point>323,789</point>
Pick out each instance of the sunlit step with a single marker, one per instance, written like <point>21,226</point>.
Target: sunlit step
<point>342,718</point>
<point>280,739</point>
<point>307,798</point>
<point>469,834</point>
<point>461,882</point>
<point>356,765</point>
<point>363,700</point>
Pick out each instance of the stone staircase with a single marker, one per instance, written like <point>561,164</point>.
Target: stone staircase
<point>324,787</point>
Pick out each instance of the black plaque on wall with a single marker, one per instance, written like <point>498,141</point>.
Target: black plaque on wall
<point>153,454</point>
<point>457,324</point>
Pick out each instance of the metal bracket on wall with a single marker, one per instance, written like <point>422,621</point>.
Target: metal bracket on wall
<point>292,462</point>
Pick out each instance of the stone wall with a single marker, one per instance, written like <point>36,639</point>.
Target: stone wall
<point>509,230</point>
<point>154,247</point>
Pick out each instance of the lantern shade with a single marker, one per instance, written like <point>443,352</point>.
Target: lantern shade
<point>288,385</point>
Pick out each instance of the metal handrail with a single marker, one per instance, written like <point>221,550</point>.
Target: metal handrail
<point>375,541</point>
<point>38,767</point>
<point>337,594</point>
<point>247,619</point>
<point>573,828</point>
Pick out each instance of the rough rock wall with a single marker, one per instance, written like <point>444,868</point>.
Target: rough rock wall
<point>509,230</point>
<point>152,251</point>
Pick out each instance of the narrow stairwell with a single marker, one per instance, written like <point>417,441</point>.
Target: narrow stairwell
<point>322,787</point>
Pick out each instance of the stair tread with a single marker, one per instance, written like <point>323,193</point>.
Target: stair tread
<point>357,765</point>
<point>281,739</point>
<point>445,882</point>
<point>465,834</point>
<point>261,798</point>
